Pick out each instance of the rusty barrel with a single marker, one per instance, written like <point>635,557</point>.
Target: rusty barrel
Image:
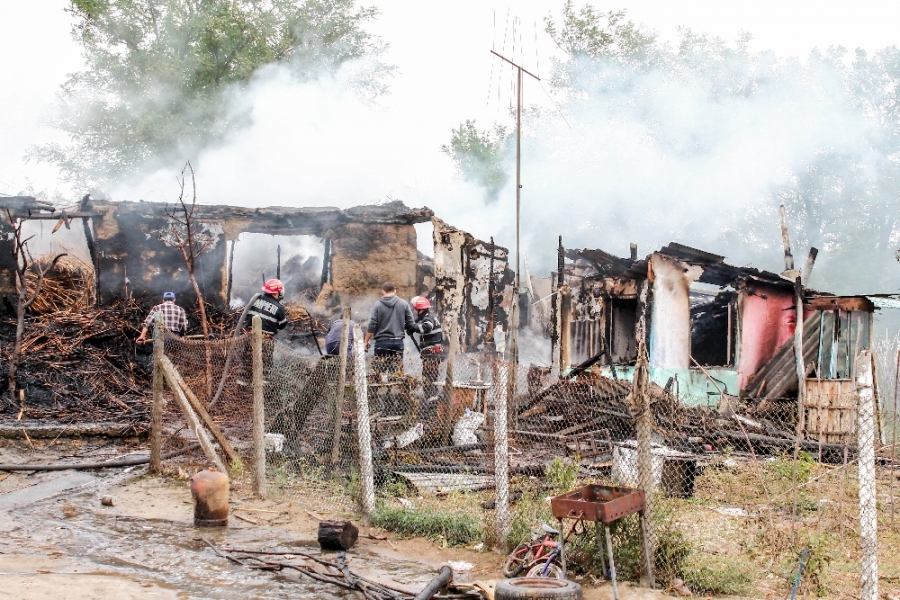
<point>210,492</point>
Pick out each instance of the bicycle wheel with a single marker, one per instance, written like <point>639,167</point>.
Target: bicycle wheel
<point>518,559</point>
<point>554,571</point>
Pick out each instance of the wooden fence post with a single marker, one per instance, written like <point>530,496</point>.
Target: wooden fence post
<point>259,411</point>
<point>156,411</point>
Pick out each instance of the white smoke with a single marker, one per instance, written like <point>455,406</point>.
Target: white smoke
<point>646,159</point>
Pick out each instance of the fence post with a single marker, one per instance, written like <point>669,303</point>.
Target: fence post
<point>157,409</point>
<point>363,431</point>
<point>501,452</point>
<point>646,477</point>
<point>868,509</point>
<point>342,382</point>
<point>259,411</point>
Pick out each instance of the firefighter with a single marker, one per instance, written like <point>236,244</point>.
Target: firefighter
<point>269,309</point>
<point>431,344</point>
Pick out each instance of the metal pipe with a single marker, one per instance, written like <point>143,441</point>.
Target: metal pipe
<point>440,581</point>
<point>119,462</point>
<point>796,586</point>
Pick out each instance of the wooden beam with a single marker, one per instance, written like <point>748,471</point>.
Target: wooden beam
<point>193,421</point>
<point>847,303</point>
<point>198,407</point>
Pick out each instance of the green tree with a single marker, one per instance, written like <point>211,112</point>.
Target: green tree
<point>480,156</point>
<point>589,35</point>
<point>159,71</point>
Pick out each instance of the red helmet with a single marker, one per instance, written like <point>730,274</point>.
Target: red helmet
<point>273,286</point>
<point>420,303</point>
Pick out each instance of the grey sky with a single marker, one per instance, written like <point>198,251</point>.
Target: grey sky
<point>440,49</point>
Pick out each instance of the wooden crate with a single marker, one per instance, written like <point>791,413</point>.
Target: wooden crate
<point>831,410</point>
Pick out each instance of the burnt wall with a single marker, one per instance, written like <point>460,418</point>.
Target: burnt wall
<point>7,261</point>
<point>365,255</point>
<point>133,250</point>
<point>132,255</point>
<point>473,284</point>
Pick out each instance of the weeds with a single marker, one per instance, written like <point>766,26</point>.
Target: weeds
<point>710,574</point>
<point>237,467</point>
<point>783,467</point>
<point>453,528</point>
<point>281,477</point>
<point>529,512</point>
<point>561,475</point>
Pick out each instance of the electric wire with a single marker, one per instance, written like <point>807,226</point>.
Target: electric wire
<point>493,47</point>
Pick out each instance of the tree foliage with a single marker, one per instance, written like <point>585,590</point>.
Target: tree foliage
<point>159,71</point>
<point>481,156</point>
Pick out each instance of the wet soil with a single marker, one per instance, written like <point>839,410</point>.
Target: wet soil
<point>59,539</point>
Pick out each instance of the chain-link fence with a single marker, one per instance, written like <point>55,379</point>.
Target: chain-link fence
<point>468,449</point>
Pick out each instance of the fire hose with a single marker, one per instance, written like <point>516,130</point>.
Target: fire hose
<point>228,354</point>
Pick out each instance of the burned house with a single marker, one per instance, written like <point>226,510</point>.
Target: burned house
<point>713,331</point>
<point>132,250</point>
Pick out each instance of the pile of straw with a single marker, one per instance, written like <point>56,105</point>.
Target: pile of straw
<point>68,286</point>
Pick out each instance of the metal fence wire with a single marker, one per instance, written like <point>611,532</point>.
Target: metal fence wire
<point>737,502</point>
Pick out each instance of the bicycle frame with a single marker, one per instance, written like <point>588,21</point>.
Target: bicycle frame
<point>555,552</point>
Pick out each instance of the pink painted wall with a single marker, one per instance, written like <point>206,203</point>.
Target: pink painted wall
<point>765,326</point>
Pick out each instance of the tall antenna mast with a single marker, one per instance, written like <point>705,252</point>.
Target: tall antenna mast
<point>514,326</point>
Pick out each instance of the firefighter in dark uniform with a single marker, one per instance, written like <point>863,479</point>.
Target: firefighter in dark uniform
<point>431,345</point>
<point>268,308</point>
<point>274,318</point>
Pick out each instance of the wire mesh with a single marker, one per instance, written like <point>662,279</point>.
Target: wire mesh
<point>739,502</point>
<point>202,366</point>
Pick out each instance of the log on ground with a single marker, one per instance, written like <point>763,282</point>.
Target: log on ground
<point>337,535</point>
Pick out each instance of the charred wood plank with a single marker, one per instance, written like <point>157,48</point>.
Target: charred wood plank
<point>830,452</point>
<point>42,431</point>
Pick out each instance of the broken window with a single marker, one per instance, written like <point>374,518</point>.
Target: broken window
<point>612,331</point>
<point>842,335</point>
<point>256,257</point>
<point>620,339</point>
<point>712,328</point>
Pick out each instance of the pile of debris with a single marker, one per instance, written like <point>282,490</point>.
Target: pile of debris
<point>68,286</point>
<point>80,366</point>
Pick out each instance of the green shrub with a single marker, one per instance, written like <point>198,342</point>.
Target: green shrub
<point>561,475</point>
<point>783,467</point>
<point>672,547</point>
<point>528,513</point>
<point>455,528</point>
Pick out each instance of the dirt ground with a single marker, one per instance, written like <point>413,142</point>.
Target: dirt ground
<point>59,538</point>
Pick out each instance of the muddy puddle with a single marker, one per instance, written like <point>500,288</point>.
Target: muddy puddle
<point>173,555</point>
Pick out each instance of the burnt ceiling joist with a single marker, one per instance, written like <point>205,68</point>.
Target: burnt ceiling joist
<point>715,270</point>
<point>285,220</point>
<point>25,206</point>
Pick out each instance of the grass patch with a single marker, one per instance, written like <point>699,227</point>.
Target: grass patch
<point>710,574</point>
<point>451,528</point>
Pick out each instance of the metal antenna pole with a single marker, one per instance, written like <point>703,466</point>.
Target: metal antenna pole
<point>518,186</point>
<point>514,326</point>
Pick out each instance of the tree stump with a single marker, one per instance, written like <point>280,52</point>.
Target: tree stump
<point>337,535</point>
